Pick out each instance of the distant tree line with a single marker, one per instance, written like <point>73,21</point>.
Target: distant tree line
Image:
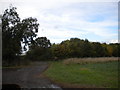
<point>17,34</point>
<point>74,47</point>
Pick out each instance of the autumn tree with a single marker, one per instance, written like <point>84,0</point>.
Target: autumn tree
<point>76,47</point>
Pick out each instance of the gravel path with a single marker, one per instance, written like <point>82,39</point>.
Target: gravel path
<point>29,77</point>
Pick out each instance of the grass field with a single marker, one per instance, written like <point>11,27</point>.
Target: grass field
<point>102,74</point>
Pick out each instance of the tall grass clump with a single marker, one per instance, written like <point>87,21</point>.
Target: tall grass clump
<point>89,60</point>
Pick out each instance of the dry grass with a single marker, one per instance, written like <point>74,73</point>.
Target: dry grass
<point>89,60</point>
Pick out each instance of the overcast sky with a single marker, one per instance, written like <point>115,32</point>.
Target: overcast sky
<point>95,20</point>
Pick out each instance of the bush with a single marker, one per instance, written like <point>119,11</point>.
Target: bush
<point>39,54</point>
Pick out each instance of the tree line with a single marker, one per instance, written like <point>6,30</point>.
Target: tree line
<point>74,47</point>
<point>18,34</point>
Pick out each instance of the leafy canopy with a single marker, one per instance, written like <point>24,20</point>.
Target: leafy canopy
<point>15,32</point>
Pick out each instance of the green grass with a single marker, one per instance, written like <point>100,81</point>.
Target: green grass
<point>96,74</point>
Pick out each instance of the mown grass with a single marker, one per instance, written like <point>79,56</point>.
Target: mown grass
<point>103,74</point>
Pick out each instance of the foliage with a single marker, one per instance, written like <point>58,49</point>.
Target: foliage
<point>76,47</point>
<point>42,42</point>
<point>15,32</point>
<point>40,50</point>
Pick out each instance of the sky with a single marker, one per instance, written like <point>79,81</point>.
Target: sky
<point>95,20</point>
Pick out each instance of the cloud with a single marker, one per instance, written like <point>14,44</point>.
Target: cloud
<point>63,19</point>
<point>60,1</point>
<point>73,21</point>
<point>113,41</point>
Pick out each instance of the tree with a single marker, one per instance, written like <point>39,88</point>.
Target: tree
<point>29,28</point>
<point>115,51</point>
<point>42,42</point>
<point>74,47</point>
<point>15,32</point>
<point>86,48</point>
<point>98,50</point>
<point>66,48</point>
<point>40,49</point>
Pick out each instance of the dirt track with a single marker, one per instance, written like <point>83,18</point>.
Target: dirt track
<point>28,77</point>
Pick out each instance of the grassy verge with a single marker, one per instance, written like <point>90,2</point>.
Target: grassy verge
<point>18,65</point>
<point>103,74</point>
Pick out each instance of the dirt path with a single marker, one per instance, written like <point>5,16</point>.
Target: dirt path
<point>29,77</point>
